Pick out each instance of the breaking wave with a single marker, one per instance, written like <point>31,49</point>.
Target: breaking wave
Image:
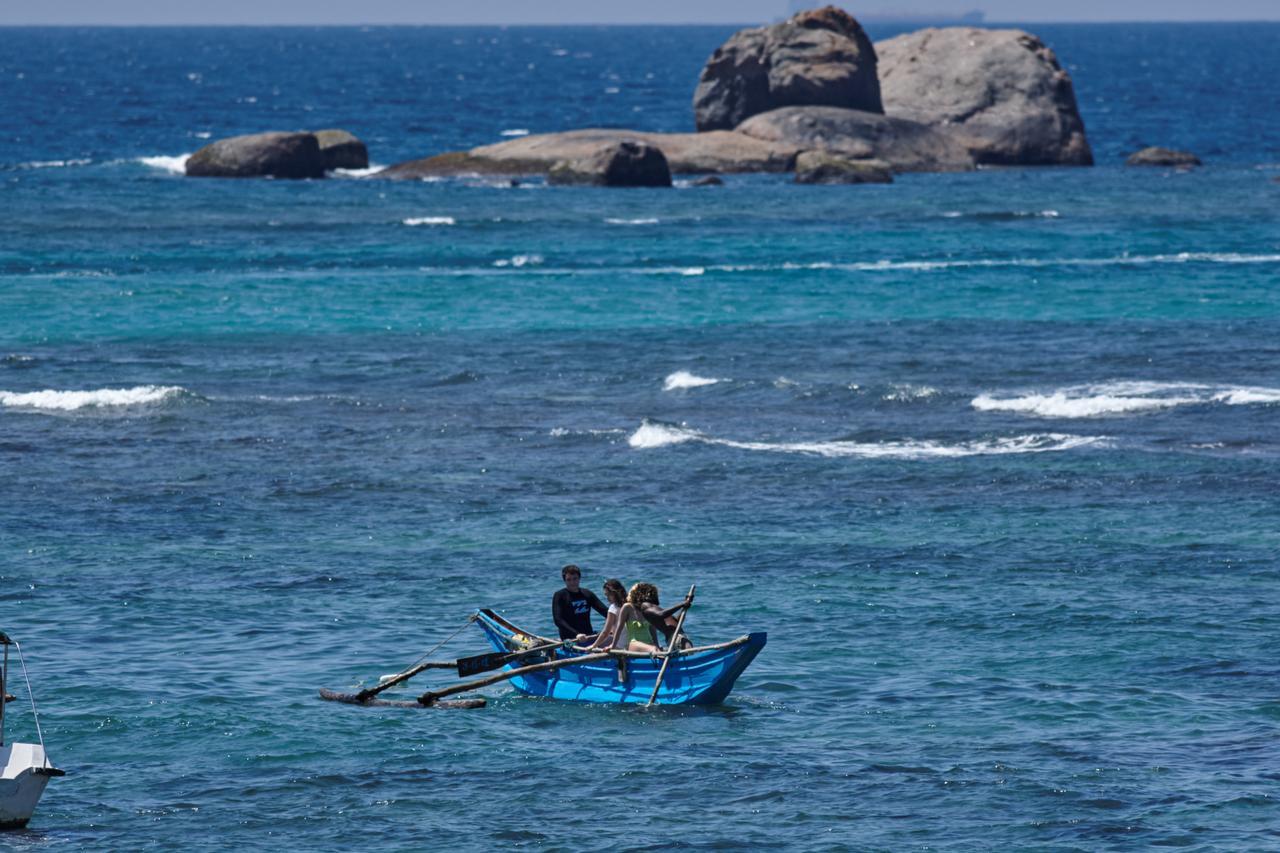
<point>651,435</point>
<point>647,221</point>
<point>894,266</point>
<point>430,220</point>
<point>70,401</point>
<point>174,165</point>
<point>683,379</point>
<point>371,169</point>
<point>1122,398</point>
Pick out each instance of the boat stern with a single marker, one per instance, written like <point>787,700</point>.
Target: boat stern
<point>24,772</point>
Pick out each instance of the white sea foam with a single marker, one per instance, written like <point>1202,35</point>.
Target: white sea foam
<point>907,393</point>
<point>54,164</point>
<point>894,266</point>
<point>683,379</point>
<point>652,435</point>
<point>1123,398</point>
<point>519,261</point>
<point>561,432</point>
<point>69,401</point>
<point>646,221</point>
<point>175,165</point>
<point>515,131</point>
<point>430,220</point>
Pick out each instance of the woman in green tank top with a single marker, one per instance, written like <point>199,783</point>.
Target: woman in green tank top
<point>635,631</point>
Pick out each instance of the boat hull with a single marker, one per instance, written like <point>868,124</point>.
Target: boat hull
<point>700,678</point>
<point>24,773</point>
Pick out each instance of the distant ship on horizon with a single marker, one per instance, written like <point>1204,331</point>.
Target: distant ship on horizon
<point>974,17</point>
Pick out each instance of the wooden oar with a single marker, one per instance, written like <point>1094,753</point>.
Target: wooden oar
<point>497,660</point>
<point>672,647</point>
<point>430,697</point>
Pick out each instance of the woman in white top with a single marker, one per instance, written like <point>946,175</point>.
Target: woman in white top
<point>616,594</point>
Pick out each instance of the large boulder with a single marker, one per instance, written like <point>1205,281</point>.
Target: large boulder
<point>907,146</point>
<point>1156,156</point>
<point>275,154</point>
<point>820,57</point>
<point>823,167</point>
<point>1002,89</point>
<point>620,164</point>
<point>686,153</point>
<point>340,149</point>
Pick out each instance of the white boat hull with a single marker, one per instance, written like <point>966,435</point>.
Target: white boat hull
<point>24,773</point>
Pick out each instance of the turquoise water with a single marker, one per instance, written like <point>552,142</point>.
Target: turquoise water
<point>993,457</point>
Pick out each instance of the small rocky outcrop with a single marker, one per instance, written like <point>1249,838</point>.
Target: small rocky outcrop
<point>628,163</point>
<point>340,149</point>
<point>1156,156</point>
<point>686,153</point>
<point>823,167</point>
<point>1002,90</point>
<point>819,57</point>
<point>275,154</point>
<point>907,146</point>
<point>707,181</point>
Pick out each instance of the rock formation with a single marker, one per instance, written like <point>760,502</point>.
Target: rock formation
<point>823,167</point>
<point>906,146</point>
<point>620,164</point>
<point>820,57</point>
<point>274,154</point>
<point>687,153</point>
<point>341,150</point>
<point>1003,91</point>
<point>1156,156</point>
<point>278,154</point>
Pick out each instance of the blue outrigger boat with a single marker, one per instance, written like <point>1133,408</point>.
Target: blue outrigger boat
<point>696,676</point>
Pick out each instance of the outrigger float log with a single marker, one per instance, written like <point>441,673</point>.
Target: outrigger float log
<point>556,669</point>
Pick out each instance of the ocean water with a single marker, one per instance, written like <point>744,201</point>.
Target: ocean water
<point>994,457</point>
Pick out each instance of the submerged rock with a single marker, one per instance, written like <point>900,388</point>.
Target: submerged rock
<point>1156,156</point>
<point>823,167</point>
<point>819,57</point>
<point>686,153</point>
<point>907,146</point>
<point>274,154</point>
<point>340,149</point>
<point>620,164</point>
<point>1003,90</point>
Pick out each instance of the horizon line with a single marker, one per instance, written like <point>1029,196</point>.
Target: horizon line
<point>542,24</point>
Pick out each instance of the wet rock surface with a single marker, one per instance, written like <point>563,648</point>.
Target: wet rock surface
<point>823,167</point>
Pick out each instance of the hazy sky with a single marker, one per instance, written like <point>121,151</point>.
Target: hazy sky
<point>593,11</point>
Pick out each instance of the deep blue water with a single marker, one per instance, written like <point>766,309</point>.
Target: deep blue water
<point>993,457</point>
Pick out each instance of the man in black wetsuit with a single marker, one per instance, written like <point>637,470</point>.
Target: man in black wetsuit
<point>571,607</point>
